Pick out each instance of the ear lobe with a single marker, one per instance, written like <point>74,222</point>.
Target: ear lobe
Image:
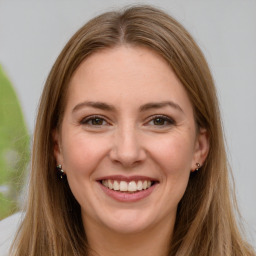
<point>201,147</point>
<point>56,147</point>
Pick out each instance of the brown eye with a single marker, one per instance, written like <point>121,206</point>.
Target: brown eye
<point>159,121</point>
<point>94,121</point>
<point>97,121</point>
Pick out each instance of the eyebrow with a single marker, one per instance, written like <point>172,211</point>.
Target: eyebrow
<point>157,105</point>
<point>109,107</point>
<point>94,104</point>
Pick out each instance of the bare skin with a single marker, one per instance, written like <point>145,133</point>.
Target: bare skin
<point>128,119</point>
<point>156,242</point>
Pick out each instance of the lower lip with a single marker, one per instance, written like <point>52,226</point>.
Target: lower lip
<point>128,197</point>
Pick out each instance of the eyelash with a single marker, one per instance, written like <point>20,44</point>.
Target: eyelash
<point>166,119</point>
<point>86,120</point>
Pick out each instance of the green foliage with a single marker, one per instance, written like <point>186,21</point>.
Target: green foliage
<point>14,147</point>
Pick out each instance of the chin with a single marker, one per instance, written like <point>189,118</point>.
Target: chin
<point>127,221</point>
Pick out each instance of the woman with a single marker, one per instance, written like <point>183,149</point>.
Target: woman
<point>128,155</point>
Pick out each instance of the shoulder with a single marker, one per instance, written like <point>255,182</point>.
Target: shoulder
<point>8,228</point>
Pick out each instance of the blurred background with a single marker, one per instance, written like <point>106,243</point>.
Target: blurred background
<point>32,34</point>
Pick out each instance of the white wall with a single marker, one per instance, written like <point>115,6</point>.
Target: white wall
<point>32,33</point>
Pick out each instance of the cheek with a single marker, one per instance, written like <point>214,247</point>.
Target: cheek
<point>172,156</point>
<point>174,153</point>
<point>82,153</point>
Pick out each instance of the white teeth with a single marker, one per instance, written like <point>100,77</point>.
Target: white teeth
<point>110,184</point>
<point>105,183</point>
<point>132,186</point>
<point>139,185</point>
<point>116,185</point>
<point>123,186</point>
<point>144,184</point>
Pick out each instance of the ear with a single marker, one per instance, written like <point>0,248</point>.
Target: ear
<point>201,148</point>
<point>57,147</point>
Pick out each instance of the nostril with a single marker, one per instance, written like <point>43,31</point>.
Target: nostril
<point>127,158</point>
<point>127,149</point>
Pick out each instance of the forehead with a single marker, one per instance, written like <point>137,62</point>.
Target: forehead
<point>126,74</point>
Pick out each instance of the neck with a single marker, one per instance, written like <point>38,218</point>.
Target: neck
<point>151,242</point>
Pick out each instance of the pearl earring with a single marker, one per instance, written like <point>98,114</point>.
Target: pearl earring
<point>198,167</point>
<point>60,172</point>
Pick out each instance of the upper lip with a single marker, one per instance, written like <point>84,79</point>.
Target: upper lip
<point>126,178</point>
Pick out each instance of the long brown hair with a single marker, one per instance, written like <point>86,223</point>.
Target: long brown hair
<point>206,223</point>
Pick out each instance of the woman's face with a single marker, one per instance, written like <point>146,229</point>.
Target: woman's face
<point>128,140</point>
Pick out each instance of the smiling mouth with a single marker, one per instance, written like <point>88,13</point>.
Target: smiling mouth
<point>127,186</point>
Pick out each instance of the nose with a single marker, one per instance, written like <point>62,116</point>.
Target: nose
<point>127,148</point>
